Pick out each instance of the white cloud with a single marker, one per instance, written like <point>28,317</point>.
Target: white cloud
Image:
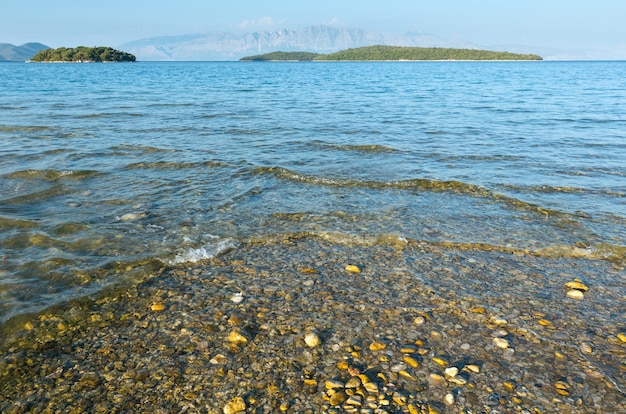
<point>258,24</point>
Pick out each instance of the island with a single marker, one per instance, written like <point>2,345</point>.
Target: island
<point>394,53</point>
<point>82,54</point>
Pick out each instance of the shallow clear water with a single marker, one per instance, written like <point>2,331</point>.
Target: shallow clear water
<point>105,168</point>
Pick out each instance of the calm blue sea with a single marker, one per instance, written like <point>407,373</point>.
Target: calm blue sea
<point>107,167</point>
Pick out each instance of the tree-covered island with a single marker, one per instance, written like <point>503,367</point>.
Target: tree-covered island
<point>83,54</point>
<point>394,53</point>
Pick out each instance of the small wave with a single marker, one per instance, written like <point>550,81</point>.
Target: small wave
<point>144,149</point>
<point>55,191</point>
<point>603,251</point>
<point>110,115</point>
<point>358,148</point>
<point>394,240</point>
<point>415,184</point>
<point>9,223</point>
<point>548,189</point>
<point>52,175</point>
<point>204,252</point>
<point>173,165</point>
<point>24,128</point>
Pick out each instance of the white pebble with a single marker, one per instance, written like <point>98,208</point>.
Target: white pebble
<point>449,399</point>
<point>311,339</point>
<point>501,343</point>
<point>237,298</point>
<point>575,294</point>
<point>498,321</point>
<point>451,372</point>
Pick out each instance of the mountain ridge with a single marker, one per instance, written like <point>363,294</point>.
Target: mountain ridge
<point>217,45</point>
<point>12,53</point>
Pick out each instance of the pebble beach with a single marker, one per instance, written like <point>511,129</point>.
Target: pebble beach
<point>304,325</point>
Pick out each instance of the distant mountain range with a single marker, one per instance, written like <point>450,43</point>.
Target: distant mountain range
<point>318,39</point>
<point>231,46</point>
<point>12,53</point>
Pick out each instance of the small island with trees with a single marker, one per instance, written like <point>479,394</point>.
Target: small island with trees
<point>82,54</point>
<point>393,53</point>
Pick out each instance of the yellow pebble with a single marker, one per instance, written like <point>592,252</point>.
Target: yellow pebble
<point>412,362</point>
<point>544,322</point>
<point>377,346</point>
<point>406,375</point>
<point>237,338</point>
<point>236,405</point>
<point>310,382</point>
<point>578,285</point>
<point>472,368</point>
<point>622,337</point>
<point>353,269</point>
<point>342,365</point>
<point>371,387</point>
<point>29,326</point>
<point>338,398</point>
<point>509,385</point>
<point>364,378</point>
<point>333,384</point>
<point>157,307</point>
<point>440,361</point>
<point>562,385</point>
<point>432,410</point>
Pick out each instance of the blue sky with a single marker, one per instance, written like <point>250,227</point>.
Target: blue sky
<point>561,24</point>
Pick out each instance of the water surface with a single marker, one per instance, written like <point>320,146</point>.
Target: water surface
<point>107,169</point>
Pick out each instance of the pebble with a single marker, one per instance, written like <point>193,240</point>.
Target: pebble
<point>575,294</point>
<point>577,285</point>
<point>449,399</point>
<point>377,346</point>
<point>236,337</point>
<point>498,321</point>
<point>312,339</point>
<point>353,269</point>
<point>410,361</point>
<point>451,372</point>
<point>501,343</point>
<point>157,307</point>
<point>382,356</point>
<point>132,216</point>
<point>338,398</point>
<point>237,298</point>
<point>237,405</point>
<point>419,320</point>
<point>585,348</point>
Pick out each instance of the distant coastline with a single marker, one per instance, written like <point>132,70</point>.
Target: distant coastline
<point>395,53</point>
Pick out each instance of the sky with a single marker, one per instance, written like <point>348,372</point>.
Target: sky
<point>594,28</point>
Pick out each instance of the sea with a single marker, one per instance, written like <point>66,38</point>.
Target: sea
<point>108,171</point>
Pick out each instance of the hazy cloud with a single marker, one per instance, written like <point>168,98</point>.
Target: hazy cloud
<point>258,24</point>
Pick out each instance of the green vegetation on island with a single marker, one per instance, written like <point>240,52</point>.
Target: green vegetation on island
<point>83,54</point>
<point>283,56</point>
<point>396,53</point>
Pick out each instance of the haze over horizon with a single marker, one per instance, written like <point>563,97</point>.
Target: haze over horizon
<point>582,30</point>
